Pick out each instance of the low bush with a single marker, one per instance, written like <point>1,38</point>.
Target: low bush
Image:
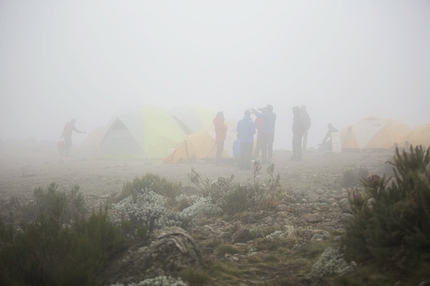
<point>62,206</point>
<point>352,177</point>
<point>147,212</point>
<point>234,198</point>
<point>155,183</point>
<point>194,277</point>
<point>391,221</point>
<point>47,251</point>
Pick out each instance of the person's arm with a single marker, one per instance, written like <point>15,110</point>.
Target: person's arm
<point>327,136</point>
<point>75,129</point>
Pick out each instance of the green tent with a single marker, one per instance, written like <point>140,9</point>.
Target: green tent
<point>142,132</point>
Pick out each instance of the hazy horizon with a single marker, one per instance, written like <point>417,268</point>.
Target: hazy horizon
<point>344,60</point>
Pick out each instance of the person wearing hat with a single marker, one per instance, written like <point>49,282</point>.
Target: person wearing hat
<point>220,135</point>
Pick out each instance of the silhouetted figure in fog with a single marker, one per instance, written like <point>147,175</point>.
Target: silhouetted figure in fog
<point>259,123</point>
<point>298,130</point>
<point>246,130</point>
<point>220,135</point>
<point>326,143</point>
<point>268,135</point>
<point>67,134</point>
<point>307,124</point>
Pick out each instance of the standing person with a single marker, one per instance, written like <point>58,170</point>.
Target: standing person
<point>259,122</point>
<point>220,135</point>
<point>67,134</point>
<point>268,135</point>
<point>307,124</point>
<point>246,130</point>
<point>298,130</point>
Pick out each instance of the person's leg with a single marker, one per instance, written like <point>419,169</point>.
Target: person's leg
<point>247,156</point>
<point>67,146</point>
<point>296,146</point>
<point>271,138</point>
<point>299,146</point>
<point>292,143</point>
<point>220,148</point>
<point>257,148</point>
<point>305,140</point>
<point>242,156</point>
<point>264,147</point>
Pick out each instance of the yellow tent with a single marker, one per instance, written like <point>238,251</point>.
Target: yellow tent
<point>420,135</point>
<point>143,132</point>
<point>373,133</point>
<point>192,118</point>
<point>201,145</point>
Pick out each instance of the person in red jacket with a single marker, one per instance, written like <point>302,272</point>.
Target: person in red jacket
<point>67,135</point>
<point>220,135</point>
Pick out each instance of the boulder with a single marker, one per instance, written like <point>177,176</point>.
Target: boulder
<point>242,235</point>
<point>169,250</point>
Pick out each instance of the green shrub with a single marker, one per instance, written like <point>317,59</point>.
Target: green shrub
<point>64,207</point>
<point>391,222</point>
<point>234,198</point>
<point>45,251</point>
<point>352,177</point>
<point>194,277</point>
<point>152,182</point>
<point>226,248</point>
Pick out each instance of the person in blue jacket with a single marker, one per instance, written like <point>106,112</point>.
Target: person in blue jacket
<point>268,132</point>
<point>246,130</point>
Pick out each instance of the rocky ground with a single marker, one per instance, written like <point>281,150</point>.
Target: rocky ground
<point>279,244</point>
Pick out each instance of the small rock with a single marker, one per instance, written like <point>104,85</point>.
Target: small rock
<point>281,208</point>
<point>312,218</point>
<point>267,220</point>
<point>242,235</point>
<point>283,214</point>
<point>317,237</point>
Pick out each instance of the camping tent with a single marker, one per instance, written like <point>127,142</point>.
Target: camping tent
<point>202,145</point>
<point>373,133</point>
<point>142,132</point>
<point>420,135</point>
<point>192,118</point>
<point>94,138</point>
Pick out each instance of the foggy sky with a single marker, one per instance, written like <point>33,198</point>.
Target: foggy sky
<point>344,60</point>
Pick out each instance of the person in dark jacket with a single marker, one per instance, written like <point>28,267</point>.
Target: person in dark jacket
<point>307,124</point>
<point>246,130</point>
<point>67,135</point>
<point>268,135</point>
<point>298,130</point>
<point>220,135</point>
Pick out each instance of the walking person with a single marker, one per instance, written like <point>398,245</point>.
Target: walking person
<point>298,130</point>
<point>220,135</point>
<point>67,135</point>
<point>268,135</point>
<point>306,124</point>
<point>246,130</point>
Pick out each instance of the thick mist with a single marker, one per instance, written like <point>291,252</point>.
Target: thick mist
<point>344,60</point>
